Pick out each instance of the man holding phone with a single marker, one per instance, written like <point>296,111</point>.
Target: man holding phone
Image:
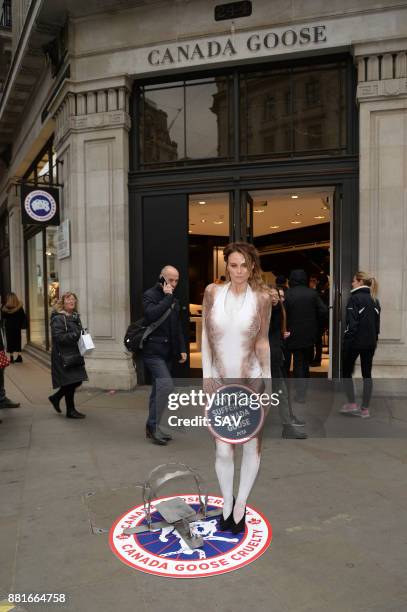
<point>162,346</point>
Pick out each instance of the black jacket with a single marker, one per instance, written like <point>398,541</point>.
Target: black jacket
<point>65,332</point>
<point>168,339</point>
<point>362,320</point>
<point>14,322</point>
<point>305,310</point>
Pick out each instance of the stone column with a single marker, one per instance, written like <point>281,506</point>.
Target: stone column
<point>91,140</point>
<point>16,242</point>
<point>382,98</point>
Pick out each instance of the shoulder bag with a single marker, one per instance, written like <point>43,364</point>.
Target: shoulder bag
<point>138,332</point>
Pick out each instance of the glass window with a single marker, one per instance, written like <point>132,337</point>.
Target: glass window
<point>163,125</point>
<point>294,111</point>
<point>185,122</point>
<point>207,119</point>
<point>283,111</point>
<point>319,123</point>
<point>264,120</point>
<point>35,262</point>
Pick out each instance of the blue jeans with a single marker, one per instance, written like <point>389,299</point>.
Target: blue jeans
<point>162,385</point>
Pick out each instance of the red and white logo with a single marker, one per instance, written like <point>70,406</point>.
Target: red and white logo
<point>164,552</point>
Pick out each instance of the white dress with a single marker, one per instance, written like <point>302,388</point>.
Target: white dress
<point>235,333</point>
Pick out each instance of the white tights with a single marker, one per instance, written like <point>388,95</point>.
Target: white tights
<point>224,467</point>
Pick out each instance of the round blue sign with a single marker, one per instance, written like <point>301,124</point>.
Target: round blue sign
<point>236,415</point>
<point>40,205</point>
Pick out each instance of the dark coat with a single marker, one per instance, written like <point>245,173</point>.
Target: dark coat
<point>362,320</point>
<point>305,310</point>
<point>65,332</point>
<point>276,342</point>
<point>14,322</point>
<point>168,339</point>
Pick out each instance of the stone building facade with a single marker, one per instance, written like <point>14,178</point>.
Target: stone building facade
<point>70,82</point>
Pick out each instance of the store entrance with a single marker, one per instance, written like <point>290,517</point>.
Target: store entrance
<point>291,229</point>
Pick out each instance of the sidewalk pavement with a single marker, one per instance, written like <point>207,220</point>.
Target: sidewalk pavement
<point>337,506</point>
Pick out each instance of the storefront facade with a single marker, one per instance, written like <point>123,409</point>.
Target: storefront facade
<point>162,102</point>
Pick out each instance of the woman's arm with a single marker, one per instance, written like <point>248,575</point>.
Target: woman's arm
<point>262,345</point>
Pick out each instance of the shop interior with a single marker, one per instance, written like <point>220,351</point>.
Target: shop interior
<point>291,229</point>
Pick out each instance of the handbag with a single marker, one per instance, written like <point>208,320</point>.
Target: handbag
<point>85,342</point>
<point>138,332</point>
<point>4,360</point>
<point>71,360</point>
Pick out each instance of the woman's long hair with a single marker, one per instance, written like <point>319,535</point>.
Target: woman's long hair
<point>252,261</point>
<point>12,302</point>
<point>369,281</point>
<point>283,318</point>
<point>60,305</point>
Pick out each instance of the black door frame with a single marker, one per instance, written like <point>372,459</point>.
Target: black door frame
<point>342,174</point>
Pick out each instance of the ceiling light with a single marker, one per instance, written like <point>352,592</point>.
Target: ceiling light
<point>294,197</point>
<point>258,210</point>
<point>203,220</point>
<point>319,217</point>
<point>324,208</point>
<point>295,222</point>
<point>274,226</point>
<point>298,214</point>
<point>218,222</point>
<point>201,202</point>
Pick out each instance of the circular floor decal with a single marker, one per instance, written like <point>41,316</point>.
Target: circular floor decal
<point>165,553</point>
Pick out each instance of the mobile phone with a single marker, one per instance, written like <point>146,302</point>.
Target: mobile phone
<point>162,281</point>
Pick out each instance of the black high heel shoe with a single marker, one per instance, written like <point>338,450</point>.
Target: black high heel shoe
<point>225,524</point>
<point>240,526</point>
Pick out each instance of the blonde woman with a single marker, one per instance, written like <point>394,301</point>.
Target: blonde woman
<point>14,321</point>
<point>360,340</point>
<point>67,365</point>
<point>235,346</point>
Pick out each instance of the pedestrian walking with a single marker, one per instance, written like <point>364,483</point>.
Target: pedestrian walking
<point>67,365</point>
<point>236,320</point>
<point>14,319</point>
<point>165,344</point>
<point>305,313</point>
<point>360,340</point>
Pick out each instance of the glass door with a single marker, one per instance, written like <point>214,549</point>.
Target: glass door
<point>209,230</point>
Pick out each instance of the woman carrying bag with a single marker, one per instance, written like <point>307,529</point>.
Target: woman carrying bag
<point>67,364</point>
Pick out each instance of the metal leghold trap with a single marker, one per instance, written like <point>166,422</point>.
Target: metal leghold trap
<point>175,512</point>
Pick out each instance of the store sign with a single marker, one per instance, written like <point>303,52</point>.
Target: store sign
<point>223,48</point>
<point>64,240</point>
<point>39,206</point>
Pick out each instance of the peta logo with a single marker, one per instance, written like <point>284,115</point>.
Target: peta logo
<point>164,552</point>
<point>40,205</point>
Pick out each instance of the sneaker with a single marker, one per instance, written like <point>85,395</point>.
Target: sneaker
<point>350,409</point>
<point>364,413</point>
